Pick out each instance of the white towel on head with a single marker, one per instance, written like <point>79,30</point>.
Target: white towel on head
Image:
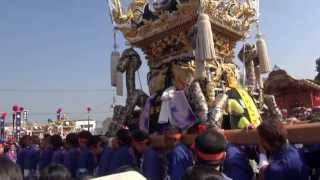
<point>130,175</point>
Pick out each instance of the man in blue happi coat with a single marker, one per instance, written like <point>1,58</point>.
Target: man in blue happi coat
<point>70,159</point>
<point>86,160</point>
<point>58,152</point>
<point>179,157</point>
<point>311,154</point>
<point>28,158</point>
<point>150,163</point>
<point>210,151</point>
<point>284,161</point>
<point>104,162</point>
<point>123,155</point>
<point>237,162</point>
<point>46,152</point>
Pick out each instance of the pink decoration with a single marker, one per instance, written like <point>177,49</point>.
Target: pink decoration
<point>15,108</point>
<point>4,115</point>
<point>21,109</point>
<point>59,110</point>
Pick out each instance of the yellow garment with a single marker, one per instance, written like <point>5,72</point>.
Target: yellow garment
<point>252,109</point>
<point>243,123</point>
<point>234,107</point>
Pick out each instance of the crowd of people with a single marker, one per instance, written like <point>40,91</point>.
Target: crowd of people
<point>211,157</point>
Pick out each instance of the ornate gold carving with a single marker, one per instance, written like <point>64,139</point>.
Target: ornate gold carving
<point>134,12</point>
<point>233,15</point>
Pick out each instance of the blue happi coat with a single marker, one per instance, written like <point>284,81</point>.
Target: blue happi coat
<point>236,164</point>
<point>45,157</point>
<point>286,164</point>
<point>311,154</point>
<point>57,157</point>
<point>104,163</point>
<point>70,160</point>
<point>86,163</point>
<point>151,165</point>
<point>28,159</point>
<point>121,157</point>
<point>179,159</point>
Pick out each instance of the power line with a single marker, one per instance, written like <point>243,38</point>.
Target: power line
<point>56,90</point>
<point>67,113</point>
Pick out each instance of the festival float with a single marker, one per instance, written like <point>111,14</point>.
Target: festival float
<point>190,48</point>
<point>61,126</point>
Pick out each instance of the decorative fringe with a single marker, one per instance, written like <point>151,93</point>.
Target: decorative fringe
<point>204,45</point>
<point>115,56</point>
<point>119,85</point>
<point>262,49</point>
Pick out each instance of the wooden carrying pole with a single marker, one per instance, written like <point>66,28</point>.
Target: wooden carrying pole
<point>297,134</point>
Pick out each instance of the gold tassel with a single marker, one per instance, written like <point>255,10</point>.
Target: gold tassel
<point>115,56</point>
<point>262,50</point>
<point>204,45</point>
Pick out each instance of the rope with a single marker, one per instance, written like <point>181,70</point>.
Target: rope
<point>139,80</point>
<point>54,90</point>
<point>113,100</point>
<point>115,45</point>
<point>244,61</point>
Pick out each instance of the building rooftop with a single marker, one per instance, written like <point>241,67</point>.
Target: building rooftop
<point>279,80</point>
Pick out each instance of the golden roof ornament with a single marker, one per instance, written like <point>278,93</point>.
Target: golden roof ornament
<point>158,25</point>
<point>261,44</point>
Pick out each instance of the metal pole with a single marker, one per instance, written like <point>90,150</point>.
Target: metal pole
<point>2,129</point>
<point>13,122</point>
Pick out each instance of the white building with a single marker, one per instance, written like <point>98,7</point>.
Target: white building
<point>83,124</point>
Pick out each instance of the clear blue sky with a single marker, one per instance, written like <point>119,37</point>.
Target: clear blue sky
<point>59,44</point>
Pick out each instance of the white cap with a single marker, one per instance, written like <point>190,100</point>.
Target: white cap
<point>132,175</point>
